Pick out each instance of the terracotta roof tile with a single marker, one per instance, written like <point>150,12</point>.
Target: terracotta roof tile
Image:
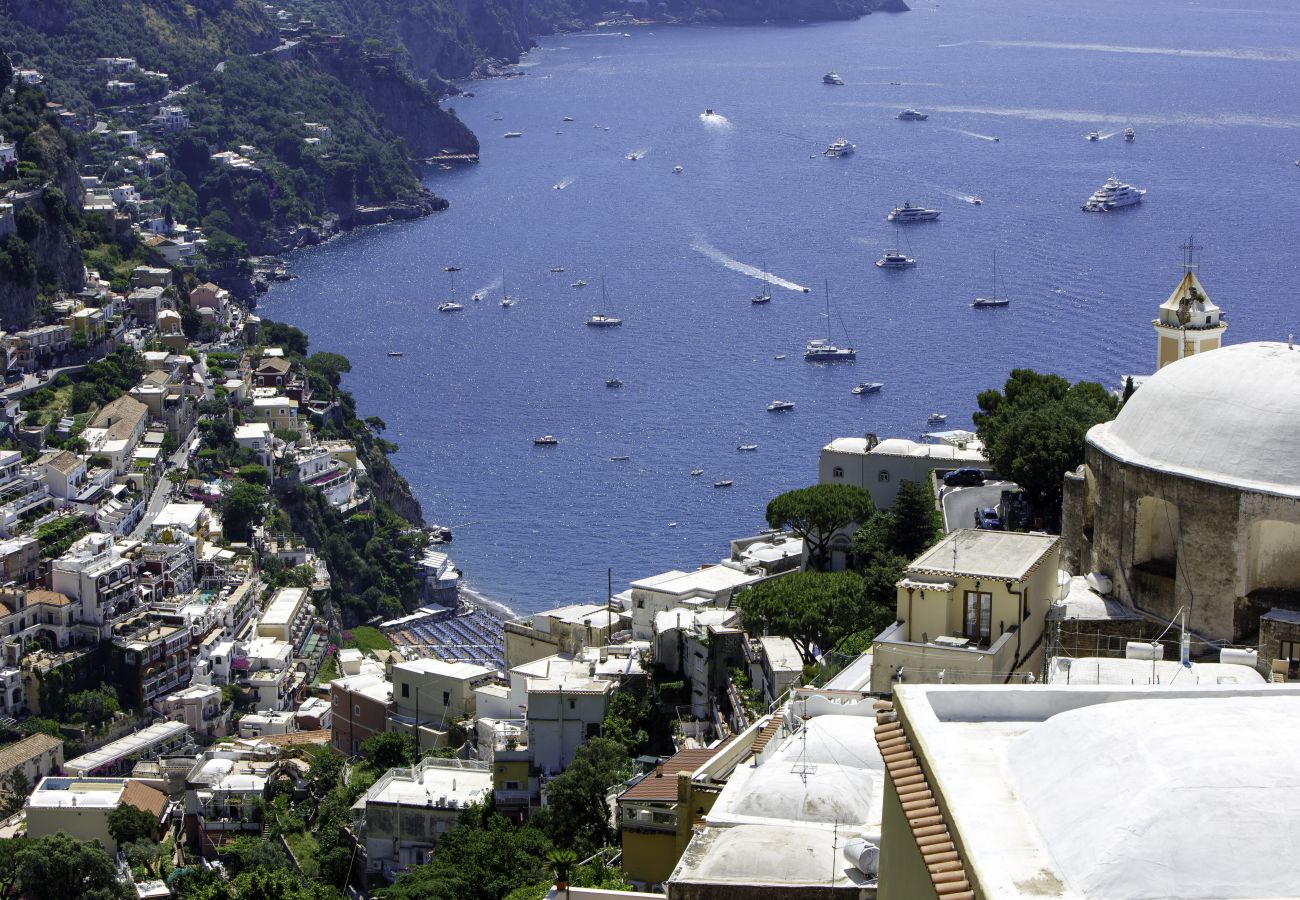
<point>661,784</point>
<point>14,755</point>
<point>141,796</point>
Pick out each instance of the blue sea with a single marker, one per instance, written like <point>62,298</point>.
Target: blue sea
<point>1209,90</point>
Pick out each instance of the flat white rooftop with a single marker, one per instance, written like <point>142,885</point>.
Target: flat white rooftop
<point>56,793</point>
<point>458,670</point>
<point>139,742</point>
<point>438,782</point>
<point>284,606</point>
<point>904,447</point>
<point>712,580</point>
<point>1094,670</point>
<point>1114,793</point>
<point>1008,555</point>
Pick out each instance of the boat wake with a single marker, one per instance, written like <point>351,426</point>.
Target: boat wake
<point>736,265</point>
<point>956,195</point>
<point>1107,135</point>
<point>975,134</point>
<point>639,153</point>
<point>484,292</point>
<point>714,120</point>
<point>1261,54</point>
<point>958,44</point>
<point>563,183</point>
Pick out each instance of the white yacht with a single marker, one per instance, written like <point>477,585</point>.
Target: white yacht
<point>840,148</point>
<point>513,134</point>
<point>1114,194</point>
<point>895,259</point>
<point>992,300</point>
<point>761,297</point>
<point>780,405</point>
<point>824,350</point>
<point>1129,135</point>
<point>746,448</point>
<point>832,78</point>
<point>911,115</point>
<point>546,440</point>
<point>868,387</point>
<point>600,320</point>
<point>677,170</point>
<point>696,472</point>
<point>1094,135</point>
<point>450,306</point>
<point>726,482</point>
<point>936,419</point>
<point>613,382</point>
<point>907,213</point>
<point>568,118</point>
<point>579,284</point>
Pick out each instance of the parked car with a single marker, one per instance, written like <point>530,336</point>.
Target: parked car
<point>988,518</point>
<point>964,478</point>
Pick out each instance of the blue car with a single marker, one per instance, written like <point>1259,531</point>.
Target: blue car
<point>988,518</point>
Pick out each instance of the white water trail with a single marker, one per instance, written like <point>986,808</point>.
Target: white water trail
<point>950,192</point>
<point>715,120</point>
<point>639,153</point>
<point>1108,135</point>
<point>487,290</point>
<point>736,265</point>
<point>958,44</point>
<point>563,182</point>
<point>975,134</point>
<point>1254,54</point>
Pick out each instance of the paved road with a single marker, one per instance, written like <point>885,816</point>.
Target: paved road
<point>31,383</point>
<point>959,504</point>
<point>162,491</point>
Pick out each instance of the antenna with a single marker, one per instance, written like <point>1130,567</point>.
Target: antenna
<point>1190,250</point>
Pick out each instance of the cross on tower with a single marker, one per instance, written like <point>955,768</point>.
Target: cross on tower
<point>1189,254</point>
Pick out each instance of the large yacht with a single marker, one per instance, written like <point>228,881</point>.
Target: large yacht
<point>820,350</point>
<point>911,115</point>
<point>600,320</point>
<point>832,78</point>
<point>1129,135</point>
<point>840,147</point>
<point>895,259</point>
<point>1114,194</point>
<point>907,213</point>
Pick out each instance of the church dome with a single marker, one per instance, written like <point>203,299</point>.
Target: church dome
<point>1229,416</point>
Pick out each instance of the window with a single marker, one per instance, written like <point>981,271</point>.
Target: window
<point>1288,650</point>
<point>837,472</point>
<point>356,709</point>
<point>640,604</point>
<point>979,614</point>
<point>882,475</point>
<point>406,689</point>
<point>593,730</point>
<point>446,698</point>
<point>512,785</point>
<point>572,705</point>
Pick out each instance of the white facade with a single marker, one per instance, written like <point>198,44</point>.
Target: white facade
<point>879,466</point>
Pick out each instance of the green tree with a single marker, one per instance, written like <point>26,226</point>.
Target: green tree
<point>6,72</point>
<point>813,609</point>
<point>914,521</point>
<point>388,750</point>
<point>96,706</point>
<point>13,793</point>
<point>57,867</point>
<point>279,883</point>
<point>241,508</point>
<point>816,513</point>
<point>247,854</point>
<point>1033,431</point>
<point>331,366</point>
<point>128,824</point>
<point>577,810</point>
<point>83,397</point>
<point>483,858</point>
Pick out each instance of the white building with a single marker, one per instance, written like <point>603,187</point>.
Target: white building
<point>712,586</point>
<point>878,466</point>
<point>565,701</point>
<point>97,578</point>
<point>171,118</point>
<point>159,739</point>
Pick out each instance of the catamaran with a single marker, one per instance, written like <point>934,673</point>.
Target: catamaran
<point>819,350</point>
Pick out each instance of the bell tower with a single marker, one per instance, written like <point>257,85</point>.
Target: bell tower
<point>1189,322</point>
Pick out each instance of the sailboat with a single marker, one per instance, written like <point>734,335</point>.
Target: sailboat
<point>506,300</point>
<point>600,320</point>
<point>992,300</point>
<point>896,258</point>
<point>764,295</point>
<point>819,350</point>
<point>451,305</point>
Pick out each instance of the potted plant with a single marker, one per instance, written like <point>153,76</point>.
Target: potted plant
<point>562,860</point>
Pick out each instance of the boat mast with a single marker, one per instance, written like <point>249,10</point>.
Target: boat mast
<point>828,310</point>
<point>602,295</point>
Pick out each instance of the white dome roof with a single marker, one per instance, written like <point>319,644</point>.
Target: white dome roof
<point>1144,799</point>
<point>1228,416</point>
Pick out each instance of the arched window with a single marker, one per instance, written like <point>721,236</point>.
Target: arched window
<point>883,475</point>
<point>837,472</point>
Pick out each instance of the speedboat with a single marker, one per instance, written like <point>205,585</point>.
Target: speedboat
<point>936,419</point>
<point>779,356</point>
<point>746,448</point>
<point>619,458</point>
<point>780,405</point>
<point>477,297</point>
<point>600,320</point>
<point>709,112</point>
<point>394,352</point>
<point>1094,135</point>
<point>1129,135</point>
<point>451,268</point>
<point>1114,194</point>
<point>568,119</point>
<point>975,201</point>
<point>677,170</point>
<point>832,78</point>
<point>513,134</point>
<point>695,473</point>
<point>839,148</point>
<point>634,156</point>
<point>907,213</point>
<point>726,482</point>
<point>578,284</point>
<point>911,115</point>
<point>613,382</point>
<point>450,306</point>
<point>557,268</point>
<point>868,387</point>
<point>546,440</point>
<point>895,259</point>
<point>507,301</point>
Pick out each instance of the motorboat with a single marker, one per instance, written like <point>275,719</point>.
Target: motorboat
<point>579,284</point>
<point>619,458</point>
<point>477,297</point>
<point>895,259</point>
<point>557,268</point>
<point>633,156</point>
<point>907,213</point>
<point>513,134</point>
<point>911,115</point>
<point>840,148</point>
<point>832,78</point>
<point>695,473</point>
<point>726,482</point>
<point>709,112</point>
<point>567,119</point>
<point>1094,135</point>
<point>677,170</point>
<point>613,382</point>
<point>974,201</point>
<point>780,406</point>
<point>746,448</point>
<point>936,419</point>
<point>1114,194</point>
<point>779,356</point>
<point>451,268</point>
<point>1129,135</point>
<point>395,353</point>
<point>450,306</point>
<point>546,440</point>
<point>993,300</point>
<point>507,301</point>
<point>868,387</point>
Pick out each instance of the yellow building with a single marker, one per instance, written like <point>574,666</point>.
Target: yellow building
<point>971,610</point>
<point>1189,323</point>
